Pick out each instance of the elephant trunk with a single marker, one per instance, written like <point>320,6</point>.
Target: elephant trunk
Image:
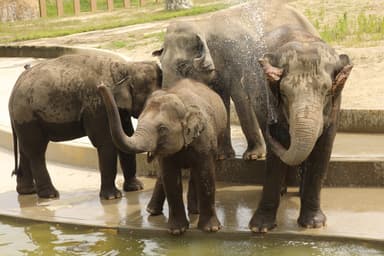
<point>141,140</point>
<point>305,128</point>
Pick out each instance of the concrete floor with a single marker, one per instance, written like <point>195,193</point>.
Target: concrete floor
<point>351,212</point>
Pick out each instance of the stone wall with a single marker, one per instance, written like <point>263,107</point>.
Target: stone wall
<point>12,10</point>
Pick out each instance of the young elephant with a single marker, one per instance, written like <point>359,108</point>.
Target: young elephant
<point>57,100</point>
<point>181,126</point>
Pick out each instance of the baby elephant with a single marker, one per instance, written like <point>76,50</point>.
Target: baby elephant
<point>182,126</point>
<point>57,100</point>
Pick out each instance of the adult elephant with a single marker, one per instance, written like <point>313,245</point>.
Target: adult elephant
<point>57,100</point>
<point>305,79</point>
<point>222,51</point>
<point>299,108</point>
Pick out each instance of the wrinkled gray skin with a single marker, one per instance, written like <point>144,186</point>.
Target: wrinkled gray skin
<point>220,51</point>
<point>182,127</point>
<point>297,109</point>
<point>57,100</point>
<point>305,79</point>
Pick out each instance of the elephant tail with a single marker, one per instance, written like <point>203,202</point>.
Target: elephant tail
<point>16,171</point>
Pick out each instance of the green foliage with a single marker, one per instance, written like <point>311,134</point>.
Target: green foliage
<point>53,27</point>
<point>85,6</point>
<point>118,44</point>
<point>348,29</point>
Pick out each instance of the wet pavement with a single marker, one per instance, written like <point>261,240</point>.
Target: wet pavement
<point>351,212</point>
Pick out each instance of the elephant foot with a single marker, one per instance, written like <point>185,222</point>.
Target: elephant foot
<point>177,226</point>
<point>133,184</point>
<point>209,224</point>
<point>25,184</point>
<point>23,188</point>
<point>225,152</point>
<point>262,221</point>
<point>312,219</point>
<point>110,193</point>
<point>154,209</point>
<point>257,152</point>
<point>50,192</point>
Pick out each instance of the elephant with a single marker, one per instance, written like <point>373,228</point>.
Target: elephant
<point>280,75</point>
<point>57,100</point>
<point>305,78</point>
<point>220,51</point>
<point>182,127</point>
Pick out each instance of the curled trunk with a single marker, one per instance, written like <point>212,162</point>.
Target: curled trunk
<point>305,128</point>
<point>138,143</point>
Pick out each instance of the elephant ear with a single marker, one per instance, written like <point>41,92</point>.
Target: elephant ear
<point>342,74</point>
<point>203,62</point>
<point>193,124</point>
<point>157,53</point>
<point>272,73</point>
<point>121,89</point>
<point>123,96</point>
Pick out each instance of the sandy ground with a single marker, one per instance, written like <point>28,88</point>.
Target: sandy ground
<point>364,89</point>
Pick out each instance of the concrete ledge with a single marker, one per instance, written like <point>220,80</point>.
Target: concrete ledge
<point>343,171</point>
<point>49,51</point>
<point>361,120</point>
<point>351,120</point>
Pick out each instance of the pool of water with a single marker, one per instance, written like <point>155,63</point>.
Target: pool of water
<point>19,237</point>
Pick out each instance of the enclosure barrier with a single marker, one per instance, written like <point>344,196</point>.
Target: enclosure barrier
<point>77,9</point>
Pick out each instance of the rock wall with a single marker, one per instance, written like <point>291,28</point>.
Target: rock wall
<point>12,10</point>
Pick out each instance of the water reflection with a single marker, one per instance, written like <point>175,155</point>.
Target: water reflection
<point>18,237</point>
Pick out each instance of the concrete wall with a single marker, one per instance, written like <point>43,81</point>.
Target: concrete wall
<point>12,10</point>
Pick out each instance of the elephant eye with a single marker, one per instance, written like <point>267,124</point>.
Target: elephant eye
<point>163,130</point>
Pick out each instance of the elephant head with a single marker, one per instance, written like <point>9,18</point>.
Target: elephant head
<point>133,84</point>
<point>164,127</point>
<point>185,54</point>
<point>306,80</point>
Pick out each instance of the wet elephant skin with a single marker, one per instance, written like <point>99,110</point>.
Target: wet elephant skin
<point>57,100</point>
<point>183,127</point>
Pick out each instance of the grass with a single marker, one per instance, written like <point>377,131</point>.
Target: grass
<point>347,23</point>
<point>54,27</point>
<point>85,6</point>
<point>350,30</point>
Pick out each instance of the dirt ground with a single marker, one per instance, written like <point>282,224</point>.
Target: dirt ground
<point>364,89</point>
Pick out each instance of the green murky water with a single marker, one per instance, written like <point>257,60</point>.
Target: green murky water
<point>32,238</point>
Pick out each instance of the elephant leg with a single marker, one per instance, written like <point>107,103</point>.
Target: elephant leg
<point>97,130</point>
<point>25,184</point>
<point>173,187</point>
<point>264,219</point>
<point>107,155</point>
<point>128,162</point>
<point>192,197</point>
<point>155,205</point>
<point>44,186</point>
<point>314,171</point>
<point>204,176</point>
<point>33,145</point>
<point>249,124</point>
<point>225,149</point>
